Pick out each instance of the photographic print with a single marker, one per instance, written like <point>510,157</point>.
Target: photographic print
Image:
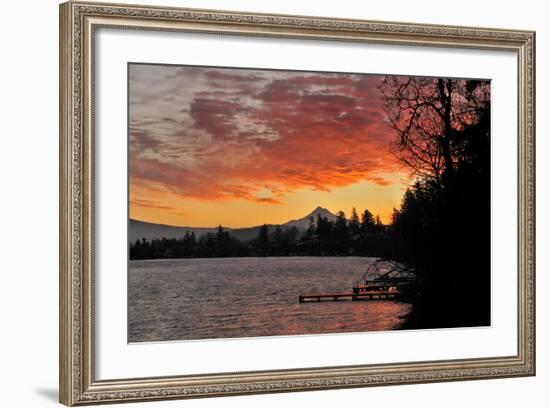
<point>272,202</point>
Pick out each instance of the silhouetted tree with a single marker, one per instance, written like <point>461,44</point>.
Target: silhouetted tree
<point>324,237</point>
<point>379,227</point>
<point>428,115</point>
<point>291,240</point>
<point>278,244</point>
<point>189,244</point>
<point>368,226</point>
<point>262,241</point>
<point>354,224</point>
<point>340,233</point>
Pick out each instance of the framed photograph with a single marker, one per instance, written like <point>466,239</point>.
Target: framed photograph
<point>258,203</point>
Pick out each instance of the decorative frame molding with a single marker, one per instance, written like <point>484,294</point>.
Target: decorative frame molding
<point>78,21</point>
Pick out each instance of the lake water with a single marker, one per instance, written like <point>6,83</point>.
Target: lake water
<point>185,299</point>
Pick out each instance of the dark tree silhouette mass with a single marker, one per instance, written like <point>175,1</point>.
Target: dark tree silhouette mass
<point>442,230</point>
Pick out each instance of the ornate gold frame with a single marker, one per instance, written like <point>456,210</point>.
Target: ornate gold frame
<point>78,21</point>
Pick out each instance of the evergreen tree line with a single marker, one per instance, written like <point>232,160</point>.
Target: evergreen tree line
<point>364,236</point>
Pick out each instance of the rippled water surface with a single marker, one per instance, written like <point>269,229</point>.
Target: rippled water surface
<point>186,299</point>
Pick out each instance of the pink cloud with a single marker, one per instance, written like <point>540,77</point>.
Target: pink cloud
<point>228,133</point>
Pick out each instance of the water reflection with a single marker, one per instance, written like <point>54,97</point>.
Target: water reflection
<point>244,297</point>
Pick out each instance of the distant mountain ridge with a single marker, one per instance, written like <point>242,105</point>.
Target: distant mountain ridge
<point>148,230</point>
<point>141,229</point>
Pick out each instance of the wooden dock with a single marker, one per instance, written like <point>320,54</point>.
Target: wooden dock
<point>357,296</point>
<point>381,284</point>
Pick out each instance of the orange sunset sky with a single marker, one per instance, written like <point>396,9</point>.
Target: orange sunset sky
<point>243,147</point>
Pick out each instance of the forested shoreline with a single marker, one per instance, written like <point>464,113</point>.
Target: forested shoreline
<point>359,236</point>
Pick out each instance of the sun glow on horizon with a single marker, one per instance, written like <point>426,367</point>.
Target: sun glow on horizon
<point>239,213</point>
<point>243,147</point>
